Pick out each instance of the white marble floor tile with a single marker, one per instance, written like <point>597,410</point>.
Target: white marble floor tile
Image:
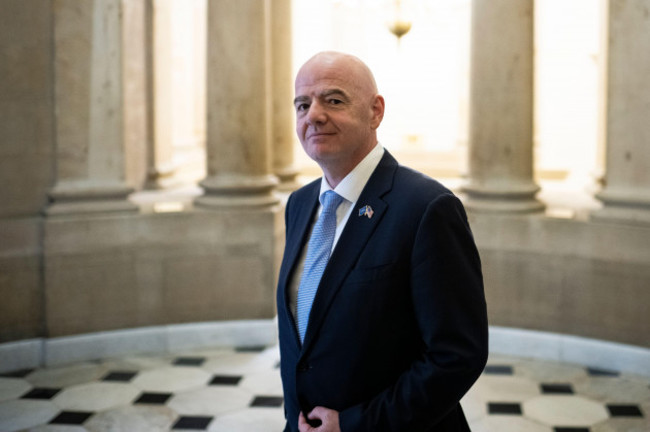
<point>623,425</point>
<point>214,352</point>
<point>211,401</point>
<point>503,359</point>
<point>565,411</point>
<point>607,389</point>
<point>135,363</point>
<point>474,406</point>
<point>263,383</point>
<point>96,396</point>
<point>503,423</point>
<point>57,428</point>
<point>21,414</point>
<point>66,376</point>
<point>13,388</point>
<point>250,420</point>
<point>171,379</point>
<point>497,388</point>
<point>546,371</point>
<point>242,362</point>
<point>133,418</point>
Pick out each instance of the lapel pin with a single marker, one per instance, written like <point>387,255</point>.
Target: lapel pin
<point>366,211</point>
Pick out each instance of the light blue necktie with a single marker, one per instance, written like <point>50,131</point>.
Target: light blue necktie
<point>318,253</point>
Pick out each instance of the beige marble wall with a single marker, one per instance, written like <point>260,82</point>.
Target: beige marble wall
<point>126,271</point>
<point>26,161</point>
<point>26,107</point>
<point>566,276</point>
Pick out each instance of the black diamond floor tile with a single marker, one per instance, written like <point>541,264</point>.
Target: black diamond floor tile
<point>620,410</point>
<point>153,398</point>
<point>192,422</point>
<point>41,393</point>
<point>267,401</point>
<point>556,388</point>
<point>71,418</point>
<point>602,372</point>
<point>231,380</point>
<point>498,370</point>
<point>120,376</point>
<point>570,429</point>
<point>17,374</point>
<point>189,361</point>
<point>250,349</point>
<point>504,408</point>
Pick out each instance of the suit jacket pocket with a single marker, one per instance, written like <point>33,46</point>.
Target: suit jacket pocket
<point>374,273</point>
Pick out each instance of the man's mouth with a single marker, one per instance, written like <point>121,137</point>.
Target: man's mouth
<point>319,134</point>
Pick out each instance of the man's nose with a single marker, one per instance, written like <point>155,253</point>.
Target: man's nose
<point>316,114</point>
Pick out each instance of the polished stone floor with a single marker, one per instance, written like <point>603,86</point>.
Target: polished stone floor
<point>237,390</point>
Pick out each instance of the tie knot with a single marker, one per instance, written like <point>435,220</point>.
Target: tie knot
<point>330,201</point>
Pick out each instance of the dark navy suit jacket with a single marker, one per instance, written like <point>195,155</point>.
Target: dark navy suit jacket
<point>398,328</point>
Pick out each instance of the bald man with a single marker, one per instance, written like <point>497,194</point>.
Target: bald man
<point>381,311</point>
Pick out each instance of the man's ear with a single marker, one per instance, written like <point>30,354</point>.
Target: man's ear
<point>378,106</point>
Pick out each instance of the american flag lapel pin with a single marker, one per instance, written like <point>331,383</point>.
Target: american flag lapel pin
<point>366,211</point>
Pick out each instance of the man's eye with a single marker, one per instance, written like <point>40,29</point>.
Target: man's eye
<point>302,107</point>
<point>335,101</point>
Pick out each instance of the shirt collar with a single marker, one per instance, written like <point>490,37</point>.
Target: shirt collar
<point>352,185</point>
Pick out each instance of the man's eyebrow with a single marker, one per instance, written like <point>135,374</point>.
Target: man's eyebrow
<point>334,91</point>
<point>300,99</point>
<point>325,93</point>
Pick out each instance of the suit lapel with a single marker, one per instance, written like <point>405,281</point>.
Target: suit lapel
<point>302,214</point>
<point>353,240</point>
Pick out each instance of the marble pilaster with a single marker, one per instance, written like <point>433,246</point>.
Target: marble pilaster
<point>282,88</point>
<point>160,165</point>
<point>89,105</point>
<point>501,108</point>
<point>238,107</point>
<point>626,190</point>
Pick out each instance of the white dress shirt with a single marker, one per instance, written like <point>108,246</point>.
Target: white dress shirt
<point>350,189</point>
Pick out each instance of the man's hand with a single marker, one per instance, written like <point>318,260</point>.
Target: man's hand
<point>329,420</point>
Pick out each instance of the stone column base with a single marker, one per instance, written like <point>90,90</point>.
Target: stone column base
<point>631,207</point>
<point>236,192</point>
<point>288,179</point>
<point>84,198</point>
<point>513,199</point>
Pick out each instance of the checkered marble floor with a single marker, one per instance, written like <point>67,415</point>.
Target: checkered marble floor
<point>239,390</point>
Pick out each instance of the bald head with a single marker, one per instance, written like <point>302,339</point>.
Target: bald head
<point>357,72</point>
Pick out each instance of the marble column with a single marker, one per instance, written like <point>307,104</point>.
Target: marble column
<point>160,152</point>
<point>626,190</point>
<point>89,106</point>
<point>136,134</point>
<point>501,108</point>
<point>283,120</point>
<point>238,107</point>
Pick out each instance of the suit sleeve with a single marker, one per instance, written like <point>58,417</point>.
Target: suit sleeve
<point>446,286</point>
